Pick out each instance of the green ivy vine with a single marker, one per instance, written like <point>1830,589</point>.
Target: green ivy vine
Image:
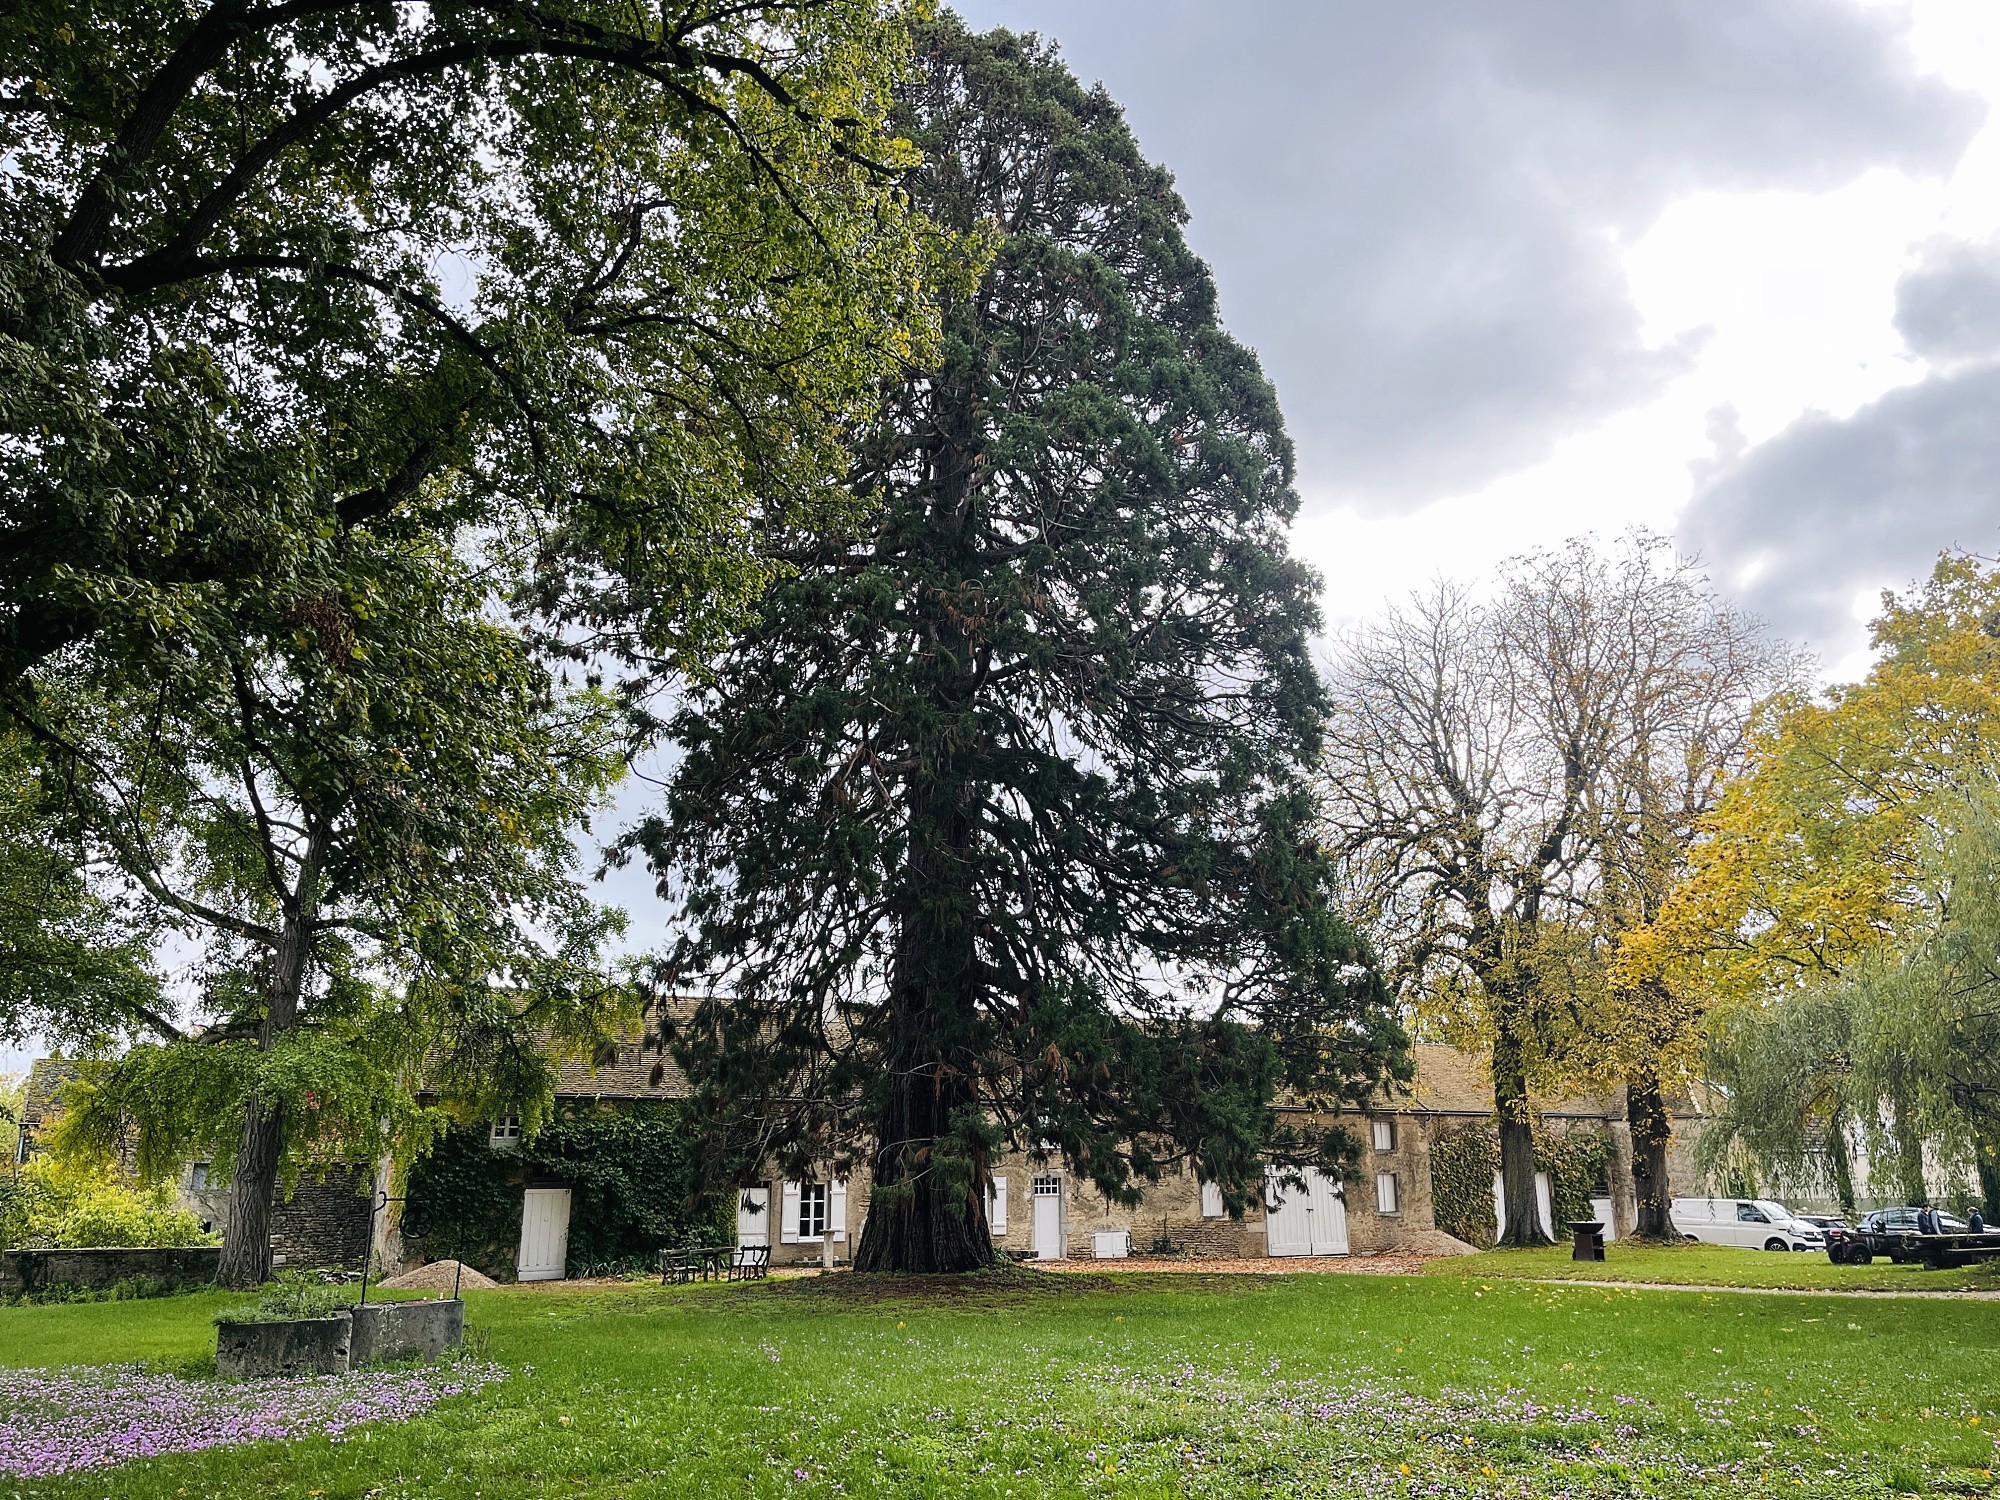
<point>630,1170</point>
<point>1464,1160</point>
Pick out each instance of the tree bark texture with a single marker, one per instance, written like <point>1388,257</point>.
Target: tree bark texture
<point>246,1235</point>
<point>253,1192</point>
<point>920,1219</point>
<point>1646,1113</point>
<point>926,1213</point>
<point>1514,1118</point>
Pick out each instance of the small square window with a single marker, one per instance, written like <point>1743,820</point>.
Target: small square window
<point>505,1133</point>
<point>198,1177</point>
<point>1385,1134</point>
<point>1388,1193</point>
<point>812,1210</point>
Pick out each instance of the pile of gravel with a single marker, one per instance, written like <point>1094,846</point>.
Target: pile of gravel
<point>437,1277</point>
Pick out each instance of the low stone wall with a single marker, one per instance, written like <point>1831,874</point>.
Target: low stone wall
<point>303,1346</point>
<point>34,1271</point>
<point>405,1330</point>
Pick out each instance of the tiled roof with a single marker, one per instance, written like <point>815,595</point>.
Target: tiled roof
<point>634,1067</point>
<point>1452,1082</point>
<point>40,1095</point>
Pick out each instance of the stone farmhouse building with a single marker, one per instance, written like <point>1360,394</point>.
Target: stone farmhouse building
<point>1040,1210</point>
<point>1037,1210</point>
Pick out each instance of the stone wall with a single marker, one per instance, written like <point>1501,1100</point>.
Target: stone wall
<point>33,1271</point>
<point>323,1223</point>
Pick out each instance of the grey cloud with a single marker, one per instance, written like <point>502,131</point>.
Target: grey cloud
<point>1948,306</point>
<point>1416,211</point>
<point>1830,507</point>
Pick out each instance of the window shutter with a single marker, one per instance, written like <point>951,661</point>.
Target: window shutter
<point>996,1207</point>
<point>788,1222</point>
<point>1385,1192</point>
<point>836,1208</point>
<point>1385,1135</point>
<point>1211,1200</point>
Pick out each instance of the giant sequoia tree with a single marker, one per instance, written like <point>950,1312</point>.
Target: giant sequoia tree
<point>995,830</point>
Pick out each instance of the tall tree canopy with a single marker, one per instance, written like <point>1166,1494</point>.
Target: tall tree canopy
<point>375,881</point>
<point>1830,902</point>
<point>1512,783</point>
<point>995,827</point>
<point>1826,847</point>
<point>597,280</point>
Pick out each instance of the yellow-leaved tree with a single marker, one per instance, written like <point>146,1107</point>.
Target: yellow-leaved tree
<point>1825,850</point>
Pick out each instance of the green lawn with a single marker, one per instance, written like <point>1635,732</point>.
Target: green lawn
<point>1718,1265</point>
<point>1128,1385</point>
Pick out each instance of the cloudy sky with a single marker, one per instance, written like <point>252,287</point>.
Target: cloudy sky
<point>1729,269</point>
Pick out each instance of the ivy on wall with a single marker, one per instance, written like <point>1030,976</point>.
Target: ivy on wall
<point>1464,1160</point>
<point>631,1174</point>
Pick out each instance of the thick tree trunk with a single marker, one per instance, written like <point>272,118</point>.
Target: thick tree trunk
<point>1517,1145</point>
<point>924,1215</point>
<point>253,1191</point>
<point>1646,1113</point>
<point>246,1235</point>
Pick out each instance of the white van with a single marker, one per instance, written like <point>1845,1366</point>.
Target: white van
<point>1753,1223</point>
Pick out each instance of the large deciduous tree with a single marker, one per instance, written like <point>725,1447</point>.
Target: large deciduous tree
<point>356,818</point>
<point>1512,784</point>
<point>1829,877</point>
<point>603,279</point>
<point>995,828</point>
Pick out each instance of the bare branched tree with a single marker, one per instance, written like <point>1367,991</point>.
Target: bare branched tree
<point>1512,783</point>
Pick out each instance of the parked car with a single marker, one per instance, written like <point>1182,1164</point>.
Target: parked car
<point>1823,1221</point>
<point>1882,1232</point>
<point>1754,1223</point>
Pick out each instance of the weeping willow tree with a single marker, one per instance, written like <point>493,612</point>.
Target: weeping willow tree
<point>1896,1059</point>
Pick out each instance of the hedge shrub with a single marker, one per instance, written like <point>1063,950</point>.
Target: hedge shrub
<point>55,1207</point>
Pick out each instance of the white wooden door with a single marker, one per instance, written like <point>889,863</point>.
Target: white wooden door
<point>1328,1211</point>
<point>1049,1239</point>
<point>753,1216</point>
<point>1308,1220</point>
<point>544,1234</point>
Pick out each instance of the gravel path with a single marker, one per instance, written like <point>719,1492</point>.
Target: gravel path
<point>1973,1295</point>
<point>1261,1265</point>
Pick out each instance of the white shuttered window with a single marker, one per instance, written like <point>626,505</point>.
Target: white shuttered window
<point>808,1209</point>
<point>1388,1193</point>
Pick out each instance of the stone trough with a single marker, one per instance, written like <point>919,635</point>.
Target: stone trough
<point>355,1336</point>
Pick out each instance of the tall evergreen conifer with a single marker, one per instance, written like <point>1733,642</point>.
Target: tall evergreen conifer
<point>995,832</point>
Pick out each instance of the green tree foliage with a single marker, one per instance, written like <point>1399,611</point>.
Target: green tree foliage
<point>378,877</point>
<point>994,826</point>
<point>13,1089</point>
<point>54,1205</point>
<point>597,282</point>
<point>1898,1055</point>
<point>632,1175</point>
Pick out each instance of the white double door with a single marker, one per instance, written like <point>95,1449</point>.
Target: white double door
<point>544,1253</point>
<point>1308,1220</point>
